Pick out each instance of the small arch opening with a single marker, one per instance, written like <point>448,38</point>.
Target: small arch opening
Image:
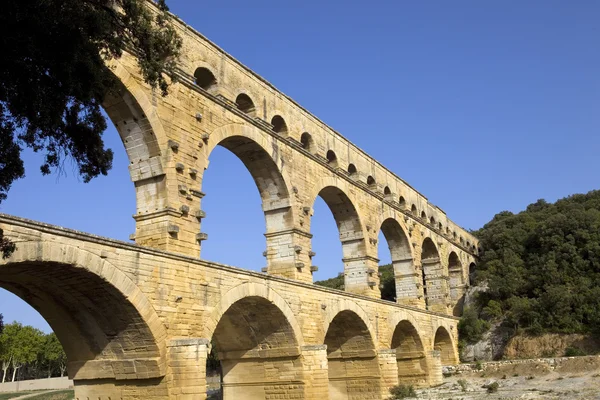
<point>205,78</point>
<point>440,227</point>
<point>413,210</point>
<point>352,169</point>
<point>423,215</point>
<point>279,125</point>
<point>387,191</point>
<point>432,221</point>
<point>331,158</point>
<point>402,202</point>
<point>370,181</point>
<point>244,103</point>
<point>307,141</point>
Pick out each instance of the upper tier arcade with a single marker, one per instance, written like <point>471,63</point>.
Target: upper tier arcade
<point>293,157</point>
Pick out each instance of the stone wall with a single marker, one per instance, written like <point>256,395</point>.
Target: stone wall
<point>273,335</point>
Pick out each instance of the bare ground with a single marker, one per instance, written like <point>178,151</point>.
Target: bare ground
<point>576,379</point>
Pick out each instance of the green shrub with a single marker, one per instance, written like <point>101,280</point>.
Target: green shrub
<point>463,384</point>
<point>470,327</point>
<point>574,352</point>
<point>478,365</point>
<point>402,391</point>
<point>492,310</point>
<point>492,387</point>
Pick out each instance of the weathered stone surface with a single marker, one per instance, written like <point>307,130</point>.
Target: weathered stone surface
<point>137,321</point>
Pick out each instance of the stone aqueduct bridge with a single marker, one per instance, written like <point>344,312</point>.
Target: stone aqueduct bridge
<point>137,321</point>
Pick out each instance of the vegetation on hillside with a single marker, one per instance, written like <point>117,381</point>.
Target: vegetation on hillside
<point>388,288</point>
<point>542,269</point>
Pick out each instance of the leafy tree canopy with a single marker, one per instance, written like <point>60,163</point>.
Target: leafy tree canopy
<point>542,266</point>
<point>54,78</point>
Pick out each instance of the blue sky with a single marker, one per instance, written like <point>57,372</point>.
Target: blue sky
<point>481,106</point>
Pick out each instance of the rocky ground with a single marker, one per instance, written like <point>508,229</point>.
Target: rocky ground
<point>575,378</point>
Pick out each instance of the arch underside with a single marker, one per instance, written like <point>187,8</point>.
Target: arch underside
<point>435,287</point>
<point>102,333</point>
<point>444,344</point>
<point>353,368</point>
<point>258,350</point>
<point>350,234</point>
<point>410,355</point>
<point>456,283</point>
<point>405,275</point>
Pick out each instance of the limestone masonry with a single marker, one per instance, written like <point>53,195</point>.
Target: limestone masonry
<point>137,321</point>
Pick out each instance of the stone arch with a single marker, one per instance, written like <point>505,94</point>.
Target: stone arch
<point>444,343</point>
<point>413,210</point>
<point>351,234</point>
<point>252,289</point>
<point>262,157</point>
<point>352,169</point>
<point>205,78</point>
<point>353,367</point>
<point>402,202</point>
<point>456,282</point>
<point>106,325</point>
<point>307,141</point>
<point>143,135</point>
<point>371,181</point>
<point>332,158</point>
<point>347,305</point>
<point>410,353</point>
<point>435,287</point>
<point>279,125</point>
<point>245,104</point>
<point>472,271</point>
<point>407,291</point>
<point>257,340</point>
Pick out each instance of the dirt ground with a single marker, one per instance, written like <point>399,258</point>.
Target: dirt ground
<point>576,379</point>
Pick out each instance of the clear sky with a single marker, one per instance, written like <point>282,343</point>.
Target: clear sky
<point>481,106</point>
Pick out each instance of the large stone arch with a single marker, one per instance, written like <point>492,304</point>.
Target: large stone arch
<point>435,285</point>
<point>142,134</point>
<point>346,305</point>
<point>360,268</point>
<point>444,343</point>
<point>263,157</point>
<point>456,283</point>
<point>107,326</point>
<point>258,343</point>
<point>405,275</point>
<point>353,367</point>
<point>253,289</point>
<point>411,357</point>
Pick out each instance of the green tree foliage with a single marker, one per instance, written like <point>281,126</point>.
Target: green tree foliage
<point>470,327</point>
<point>542,266</point>
<point>54,78</point>
<point>53,355</point>
<point>388,283</point>
<point>29,353</point>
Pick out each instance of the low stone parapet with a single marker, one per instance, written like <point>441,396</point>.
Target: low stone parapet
<point>37,384</point>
